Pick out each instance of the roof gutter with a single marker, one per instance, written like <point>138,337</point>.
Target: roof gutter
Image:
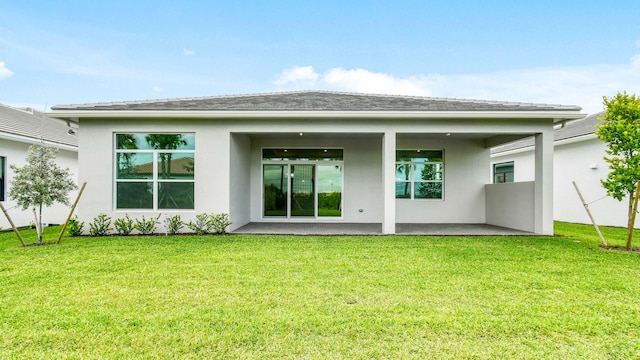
<point>75,115</point>
<point>561,142</point>
<point>34,141</point>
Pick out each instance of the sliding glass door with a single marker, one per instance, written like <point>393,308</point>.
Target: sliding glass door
<point>302,190</point>
<point>329,179</point>
<point>307,183</point>
<point>276,183</point>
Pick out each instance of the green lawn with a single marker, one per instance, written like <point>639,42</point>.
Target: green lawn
<point>330,297</point>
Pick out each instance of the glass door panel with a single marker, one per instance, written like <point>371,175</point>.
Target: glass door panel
<point>329,190</point>
<point>302,190</point>
<point>276,184</point>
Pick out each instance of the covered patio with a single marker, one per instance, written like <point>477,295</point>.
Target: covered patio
<point>315,228</point>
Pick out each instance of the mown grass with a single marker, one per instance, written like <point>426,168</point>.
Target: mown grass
<point>321,297</point>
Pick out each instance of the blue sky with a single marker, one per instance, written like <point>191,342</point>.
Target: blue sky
<point>568,52</point>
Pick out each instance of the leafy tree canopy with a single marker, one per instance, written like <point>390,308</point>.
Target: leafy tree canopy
<point>619,128</point>
<point>40,182</point>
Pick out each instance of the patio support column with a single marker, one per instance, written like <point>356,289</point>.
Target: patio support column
<point>543,190</point>
<point>389,182</point>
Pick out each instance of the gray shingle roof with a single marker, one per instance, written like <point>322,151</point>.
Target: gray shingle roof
<point>572,129</point>
<point>315,101</point>
<point>34,125</point>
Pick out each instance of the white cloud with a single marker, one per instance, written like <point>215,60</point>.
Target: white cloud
<point>157,89</point>
<point>297,75</point>
<point>4,71</point>
<point>361,80</point>
<point>188,52</point>
<point>583,86</point>
<point>579,85</point>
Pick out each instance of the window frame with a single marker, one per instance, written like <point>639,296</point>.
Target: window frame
<point>294,160</point>
<point>156,180</point>
<point>3,177</point>
<point>505,174</point>
<point>411,178</point>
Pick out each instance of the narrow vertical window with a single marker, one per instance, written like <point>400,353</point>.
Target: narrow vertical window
<point>3,171</point>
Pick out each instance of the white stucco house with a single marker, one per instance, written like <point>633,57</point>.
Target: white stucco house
<point>315,157</point>
<point>578,156</point>
<point>19,129</point>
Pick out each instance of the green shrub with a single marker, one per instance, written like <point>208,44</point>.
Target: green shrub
<point>124,226</point>
<point>75,227</point>
<point>173,224</point>
<point>100,226</point>
<point>145,226</point>
<point>220,222</point>
<point>202,224</point>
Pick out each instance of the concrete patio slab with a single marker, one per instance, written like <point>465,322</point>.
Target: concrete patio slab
<point>457,229</point>
<point>298,228</point>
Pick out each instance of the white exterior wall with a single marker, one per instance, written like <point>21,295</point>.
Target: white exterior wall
<point>524,167</point>
<point>96,161</point>
<point>228,164</point>
<point>240,170</point>
<point>15,153</point>
<point>572,162</point>
<point>511,205</point>
<point>464,179</point>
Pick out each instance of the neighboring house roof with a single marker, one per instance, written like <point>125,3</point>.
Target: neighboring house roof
<point>179,166</point>
<point>316,101</point>
<point>571,129</point>
<point>28,125</point>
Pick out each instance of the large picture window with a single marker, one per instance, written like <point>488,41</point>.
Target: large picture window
<point>154,171</point>
<point>419,174</point>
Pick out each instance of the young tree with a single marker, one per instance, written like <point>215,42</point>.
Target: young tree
<point>619,128</point>
<point>40,182</point>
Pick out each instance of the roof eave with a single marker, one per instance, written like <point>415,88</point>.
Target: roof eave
<point>556,115</point>
<point>35,141</point>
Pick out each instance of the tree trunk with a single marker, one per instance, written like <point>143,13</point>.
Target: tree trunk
<point>633,209</point>
<point>39,224</point>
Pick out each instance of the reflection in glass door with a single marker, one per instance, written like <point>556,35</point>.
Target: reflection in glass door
<point>302,183</point>
<point>329,179</point>
<point>276,183</point>
<point>302,190</point>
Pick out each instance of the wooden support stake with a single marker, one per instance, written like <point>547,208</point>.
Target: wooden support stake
<point>71,212</point>
<point>593,221</point>
<point>15,229</point>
